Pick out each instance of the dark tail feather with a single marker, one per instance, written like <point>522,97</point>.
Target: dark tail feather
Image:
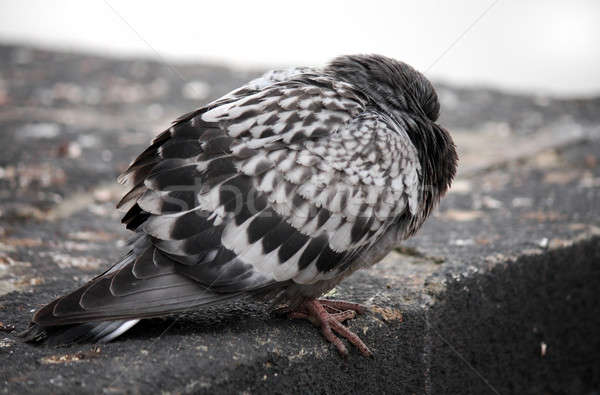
<point>144,284</point>
<point>92,332</point>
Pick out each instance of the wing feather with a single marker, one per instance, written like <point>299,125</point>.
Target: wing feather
<point>331,195</point>
<point>282,180</point>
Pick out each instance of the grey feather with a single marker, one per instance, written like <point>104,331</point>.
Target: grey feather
<point>282,187</point>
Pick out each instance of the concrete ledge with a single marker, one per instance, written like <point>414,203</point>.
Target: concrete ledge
<point>530,326</point>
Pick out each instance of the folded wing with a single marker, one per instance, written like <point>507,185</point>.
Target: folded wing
<point>279,182</point>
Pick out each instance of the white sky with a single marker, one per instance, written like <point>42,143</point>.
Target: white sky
<point>548,46</point>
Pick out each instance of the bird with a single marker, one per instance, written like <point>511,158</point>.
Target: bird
<point>276,192</point>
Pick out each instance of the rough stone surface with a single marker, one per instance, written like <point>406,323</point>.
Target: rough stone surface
<point>497,293</point>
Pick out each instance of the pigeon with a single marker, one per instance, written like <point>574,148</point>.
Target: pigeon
<point>274,192</point>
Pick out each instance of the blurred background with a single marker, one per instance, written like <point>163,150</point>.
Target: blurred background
<point>542,46</point>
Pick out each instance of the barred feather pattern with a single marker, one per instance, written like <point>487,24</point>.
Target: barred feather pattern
<point>288,183</point>
<point>292,181</point>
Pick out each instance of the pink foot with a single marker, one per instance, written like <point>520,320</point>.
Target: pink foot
<point>329,315</point>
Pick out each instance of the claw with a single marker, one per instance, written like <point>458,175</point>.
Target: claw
<point>329,315</point>
<point>342,305</point>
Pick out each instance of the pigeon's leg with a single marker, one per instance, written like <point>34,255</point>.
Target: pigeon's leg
<point>316,312</point>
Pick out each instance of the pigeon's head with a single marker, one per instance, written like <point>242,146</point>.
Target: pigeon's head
<point>405,94</point>
<point>393,85</point>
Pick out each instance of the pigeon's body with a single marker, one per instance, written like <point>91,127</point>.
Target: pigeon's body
<point>278,190</point>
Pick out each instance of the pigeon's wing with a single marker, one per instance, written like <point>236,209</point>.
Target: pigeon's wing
<point>291,184</point>
<point>328,199</point>
<point>185,192</point>
<point>218,192</point>
<point>285,182</point>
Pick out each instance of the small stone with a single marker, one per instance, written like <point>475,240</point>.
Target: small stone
<point>461,187</point>
<point>491,203</point>
<point>70,150</point>
<point>561,177</point>
<point>88,141</point>
<point>6,327</point>
<point>463,242</point>
<point>36,281</point>
<point>6,342</point>
<point>589,181</point>
<point>42,130</point>
<point>462,215</point>
<point>543,349</point>
<point>522,202</point>
<point>543,216</point>
<point>102,195</point>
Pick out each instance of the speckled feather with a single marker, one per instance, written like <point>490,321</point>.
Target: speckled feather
<point>282,188</point>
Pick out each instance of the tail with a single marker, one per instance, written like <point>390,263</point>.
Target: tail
<point>92,332</point>
<point>144,284</point>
